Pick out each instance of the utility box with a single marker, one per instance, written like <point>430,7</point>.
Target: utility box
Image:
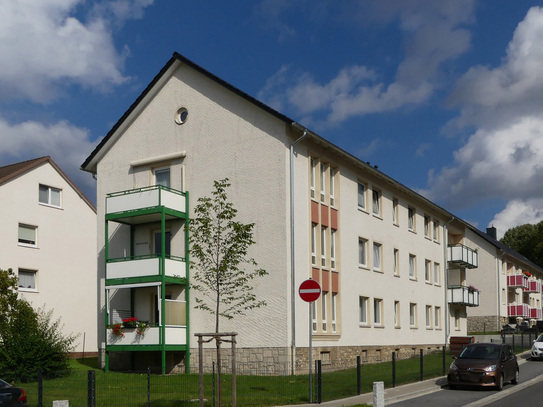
<point>458,343</point>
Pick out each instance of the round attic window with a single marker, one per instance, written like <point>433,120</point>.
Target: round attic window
<point>181,115</point>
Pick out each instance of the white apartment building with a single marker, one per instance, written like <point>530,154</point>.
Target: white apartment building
<point>380,251</point>
<point>48,226</point>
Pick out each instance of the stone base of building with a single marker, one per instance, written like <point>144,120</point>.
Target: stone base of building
<point>489,323</point>
<point>278,361</point>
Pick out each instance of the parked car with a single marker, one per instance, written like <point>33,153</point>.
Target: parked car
<point>484,364</point>
<point>11,396</point>
<point>537,348</point>
<point>525,327</point>
<point>509,329</point>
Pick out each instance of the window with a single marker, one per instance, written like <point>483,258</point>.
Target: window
<point>313,244</point>
<point>312,169</point>
<point>377,256</point>
<point>332,186</point>
<point>162,176</point>
<point>158,243</point>
<point>436,230</point>
<point>437,317</point>
<point>428,316</point>
<point>377,312</point>
<point>362,252</point>
<point>376,202</point>
<point>504,297</point>
<point>323,246</point>
<point>412,267</point>
<point>396,262</point>
<point>28,235</point>
<point>437,274</point>
<point>426,226</point>
<point>334,311</point>
<point>394,211</point>
<point>457,319</point>
<point>363,310</point>
<point>411,219</point>
<point>333,249</point>
<point>323,175</point>
<point>361,196</point>
<point>314,316</point>
<point>427,271</point>
<point>49,195</point>
<point>396,314</point>
<point>413,315</point>
<point>324,313</point>
<point>27,280</point>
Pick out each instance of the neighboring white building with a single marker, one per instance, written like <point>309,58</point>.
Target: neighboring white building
<point>380,251</point>
<point>48,228</point>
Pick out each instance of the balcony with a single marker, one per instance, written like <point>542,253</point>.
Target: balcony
<point>175,335</point>
<point>518,310</point>
<point>464,296</point>
<point>517,280</point>
<point>463,256</point>
<point>141,205</point>
<point>535,313</point>
<point>140,266</point>
<point>534,286</point>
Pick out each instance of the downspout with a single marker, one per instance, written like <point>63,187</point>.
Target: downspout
<point>498,273</point>
<point>445,251</point>
<point>292,255</point>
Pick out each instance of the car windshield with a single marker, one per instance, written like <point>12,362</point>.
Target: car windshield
<point>540,339</point>
<point>3,384</point>
<point>480,352</point>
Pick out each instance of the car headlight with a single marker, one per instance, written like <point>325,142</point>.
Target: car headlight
<point>453,366</point>
<point>491,368</point>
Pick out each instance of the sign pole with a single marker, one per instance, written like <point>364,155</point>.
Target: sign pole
<point>310,291</point>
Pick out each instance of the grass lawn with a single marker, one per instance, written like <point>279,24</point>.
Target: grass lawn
<point>114,388</point>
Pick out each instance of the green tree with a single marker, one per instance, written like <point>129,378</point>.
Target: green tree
<point>527,240</point>
<point>29,340</point>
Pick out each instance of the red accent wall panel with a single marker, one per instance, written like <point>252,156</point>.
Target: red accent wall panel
<point>335,282</point>
<point>314,212</point>
<point>333,216</point>
<point>325,284</point>
<point>324,216</point>
<point>316,275</point>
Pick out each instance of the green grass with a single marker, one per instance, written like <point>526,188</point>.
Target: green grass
<point>114,388</point>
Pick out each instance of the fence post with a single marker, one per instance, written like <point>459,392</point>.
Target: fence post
<point>40,388</point>
<point>91,389</point>
<point>522,341</point>
<point>358,375</point>
<point>444,359</point>
<point>148,387</point>
<point>421,365</point>
<point>513,336</point>
<point>393,369</point>
<point>319,381</point>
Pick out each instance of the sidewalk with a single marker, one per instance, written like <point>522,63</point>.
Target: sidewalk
<point>400,393</point>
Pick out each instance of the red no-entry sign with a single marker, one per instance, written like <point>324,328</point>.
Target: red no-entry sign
<point>310,290</point>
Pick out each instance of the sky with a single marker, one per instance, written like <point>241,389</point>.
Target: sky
<point>444,96</point>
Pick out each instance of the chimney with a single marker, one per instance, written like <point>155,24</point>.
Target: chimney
<point>492,232</point>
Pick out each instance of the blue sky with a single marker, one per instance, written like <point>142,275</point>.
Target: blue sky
<point>444,96</point>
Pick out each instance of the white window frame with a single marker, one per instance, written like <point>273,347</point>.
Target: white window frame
<point>164,170</point>
<point>362,252</point>
<point>437,317</point>
<point>49,199</point>
<point>437,274</point>
<point>376,202</point>
<point>412,267</point>
<point>428,271</point>
<point>396,262</point>
<point>395,211</point>
<point>323,246</point>
<point>313,244</point>
<point>33,274</point>
<point>378,312</point>
<point>429,317</point>
<point>436,231</point>
<point>332,186</point>
<point>333,249</point>
<point>363,310</point>
<point>427,226</point>
<point>457,319</point>
<point>396,314</point>
<point>334,312</point>
<point>377,256</point>
<point>323,181</point>
<point>27,242</point>
<point>411,213</point>
<point>324,315</point>
<point>312,164</point>
<point>412,315</point>
<point>362,188</point>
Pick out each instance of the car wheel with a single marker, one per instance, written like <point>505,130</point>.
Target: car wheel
<point>499,384</point>
<point>516,378</point>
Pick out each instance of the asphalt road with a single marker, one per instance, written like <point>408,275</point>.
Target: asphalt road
<point>531,386</point>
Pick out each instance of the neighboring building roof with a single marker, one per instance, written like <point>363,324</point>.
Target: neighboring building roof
<point>9,172</point>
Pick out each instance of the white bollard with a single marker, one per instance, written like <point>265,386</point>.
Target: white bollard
<point>378,394</point>
<point>61,403</point>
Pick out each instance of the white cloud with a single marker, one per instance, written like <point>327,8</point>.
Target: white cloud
<point>44,46</point>
<point>67,145</point>
<point>433,33</point>
<point>518,213</point>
